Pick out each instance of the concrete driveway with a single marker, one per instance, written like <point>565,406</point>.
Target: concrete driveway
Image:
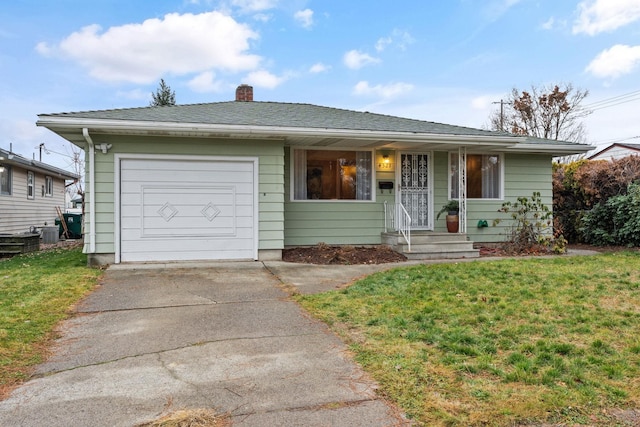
<point>153,339</point>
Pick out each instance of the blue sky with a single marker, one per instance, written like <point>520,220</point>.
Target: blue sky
<point>443,61</point>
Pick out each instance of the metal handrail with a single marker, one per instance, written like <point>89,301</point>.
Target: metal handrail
<point>403,223</point>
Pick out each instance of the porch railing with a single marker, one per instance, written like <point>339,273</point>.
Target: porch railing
<point>397,218</point>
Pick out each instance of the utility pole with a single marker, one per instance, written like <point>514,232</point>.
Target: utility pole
<point>41,147</point>
<point>501,114</point>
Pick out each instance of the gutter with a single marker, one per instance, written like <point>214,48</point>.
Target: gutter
<point>170,129</point>
<point>92,191</point>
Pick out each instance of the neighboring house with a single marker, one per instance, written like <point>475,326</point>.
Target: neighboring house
<point>616,151</point>
<point>30,191</point>
<point>244,179</point>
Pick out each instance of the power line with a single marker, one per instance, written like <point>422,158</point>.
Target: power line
<point>613,141</point>
<point>613,101</point>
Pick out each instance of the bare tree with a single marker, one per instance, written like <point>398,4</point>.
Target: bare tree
<point>163,95</point>
<point>549,112</point>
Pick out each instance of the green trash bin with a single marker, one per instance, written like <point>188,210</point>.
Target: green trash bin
<point>74,225</point>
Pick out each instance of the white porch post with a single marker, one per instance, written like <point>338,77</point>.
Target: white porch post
<point>462,189</point>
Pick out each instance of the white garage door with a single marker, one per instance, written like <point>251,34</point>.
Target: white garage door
<point>187,210</point>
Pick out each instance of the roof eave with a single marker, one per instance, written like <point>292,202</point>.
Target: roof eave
<point>58,124</point>
<point>555,149</point>
<point>13,159</point>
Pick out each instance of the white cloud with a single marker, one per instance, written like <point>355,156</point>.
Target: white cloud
<point>205,82</point>
<point>319,68</point>
<point>355,59</point>
<point>548,25</point>
<point>382,43</point>
<point>615,62</point>
<point>135,94</point>
<point>177,44</point>
<point>304,17</point>
<point>398,38</point>
<point>390,90</point>
<point>263,78</point>
<point>483,102</point>
<point>249,6</point>
<point>262,17</point>
<point>597,16</point>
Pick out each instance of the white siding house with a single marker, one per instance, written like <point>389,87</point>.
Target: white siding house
<point>616,151</point>
<point>30,191</point>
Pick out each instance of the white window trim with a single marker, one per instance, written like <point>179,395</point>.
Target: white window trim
<point>292,175</point>
<point>31,185</point>
<point>48,186</point>
<point>484,153</point>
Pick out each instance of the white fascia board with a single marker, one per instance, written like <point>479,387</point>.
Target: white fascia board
<point>115,126</point>
<point>551,148</point>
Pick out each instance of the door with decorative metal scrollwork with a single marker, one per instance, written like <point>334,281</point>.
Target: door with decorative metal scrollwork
<point>415,188</point>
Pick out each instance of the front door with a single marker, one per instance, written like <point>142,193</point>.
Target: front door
<point>415,188</point>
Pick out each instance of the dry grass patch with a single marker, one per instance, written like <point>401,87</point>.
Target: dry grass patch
<point>190,418</point>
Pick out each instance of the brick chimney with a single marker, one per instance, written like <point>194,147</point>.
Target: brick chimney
<point>244,93</point>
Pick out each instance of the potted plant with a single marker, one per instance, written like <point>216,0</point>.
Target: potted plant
<point>452,207</point>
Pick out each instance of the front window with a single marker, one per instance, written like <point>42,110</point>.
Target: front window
<point>332,175</point>
<point>484,176</point>
<point>48,186</point>
<point>30,185</point>
<point>5,180</point>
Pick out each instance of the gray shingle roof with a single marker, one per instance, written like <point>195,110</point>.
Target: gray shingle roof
<point>276,114</point>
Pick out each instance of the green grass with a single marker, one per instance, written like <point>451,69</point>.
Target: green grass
<point>500,342</point>
<point>37,291</point>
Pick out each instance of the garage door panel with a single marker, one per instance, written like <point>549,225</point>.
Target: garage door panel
<point>182,255</point>
<point>185,176</point>
<point>191,209</point>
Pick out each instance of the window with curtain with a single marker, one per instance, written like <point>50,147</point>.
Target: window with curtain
<point>332,175</point>
<point>5,180</point>
<point>484,176</point>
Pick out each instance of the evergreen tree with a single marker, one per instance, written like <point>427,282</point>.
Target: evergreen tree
<point>163,96</point>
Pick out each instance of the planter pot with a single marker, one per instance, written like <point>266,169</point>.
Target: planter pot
<point>453,223</point>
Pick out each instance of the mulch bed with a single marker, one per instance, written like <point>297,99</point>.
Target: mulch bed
<point>343,255</point>
<point>324,254</point>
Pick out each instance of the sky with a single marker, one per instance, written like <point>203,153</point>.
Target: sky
<point>443,61</point>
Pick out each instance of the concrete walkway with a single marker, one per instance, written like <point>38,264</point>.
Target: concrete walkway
<point>156,338</point>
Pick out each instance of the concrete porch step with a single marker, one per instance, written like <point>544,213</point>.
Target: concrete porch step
<point>431,245</point>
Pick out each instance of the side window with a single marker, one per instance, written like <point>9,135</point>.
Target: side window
<point>48,186</point>
<point>31,184</point>
<point>5,180</point>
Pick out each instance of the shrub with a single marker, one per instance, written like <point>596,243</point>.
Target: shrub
<point>531,229</point>
<point>580,186</point>
<point>615,221</point>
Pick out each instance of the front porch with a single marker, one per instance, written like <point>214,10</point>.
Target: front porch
<point>427,245</point>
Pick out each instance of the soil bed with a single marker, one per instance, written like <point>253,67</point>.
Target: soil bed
<point>344,255</point>
<point>349,255</point>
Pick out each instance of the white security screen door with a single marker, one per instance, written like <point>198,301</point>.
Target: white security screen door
<point>415,188</point>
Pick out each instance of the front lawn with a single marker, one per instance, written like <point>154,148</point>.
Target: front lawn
<point>513,342</point>
<point>37,290</point>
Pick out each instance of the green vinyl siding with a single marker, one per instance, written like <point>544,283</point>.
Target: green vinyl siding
<point>523,174</point>
<point>333,222</point>
<point>270,179</point>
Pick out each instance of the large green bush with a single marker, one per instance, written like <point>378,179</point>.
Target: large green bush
<point>615,221</point>
<point>579,187</point>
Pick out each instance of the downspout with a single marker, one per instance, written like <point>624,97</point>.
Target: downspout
<point>92,191</point>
